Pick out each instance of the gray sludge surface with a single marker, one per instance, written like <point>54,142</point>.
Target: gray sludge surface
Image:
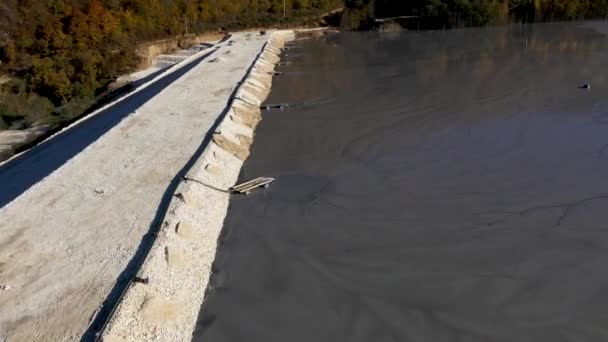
<point>431,186</point>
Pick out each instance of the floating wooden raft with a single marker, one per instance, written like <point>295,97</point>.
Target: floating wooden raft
<point>247,187</point>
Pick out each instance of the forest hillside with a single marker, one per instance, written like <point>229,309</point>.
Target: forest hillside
<point>57,56</point>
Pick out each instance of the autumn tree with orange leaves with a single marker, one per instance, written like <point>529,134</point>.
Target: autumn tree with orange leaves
<point>62,53</point>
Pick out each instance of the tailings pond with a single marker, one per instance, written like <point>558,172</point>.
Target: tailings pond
<point>431,186</point>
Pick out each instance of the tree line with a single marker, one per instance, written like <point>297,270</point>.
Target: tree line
<point>61,54</point>
<point>454,13</point>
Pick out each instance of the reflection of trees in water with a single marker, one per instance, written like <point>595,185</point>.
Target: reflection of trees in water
<point>329,57</point>
<point>486,55</point>
<point>477,66</point>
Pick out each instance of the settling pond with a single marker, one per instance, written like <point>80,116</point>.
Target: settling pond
<point>431,186</point>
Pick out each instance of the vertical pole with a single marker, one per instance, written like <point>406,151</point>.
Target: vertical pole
<point>186,22</point>
<point>284,8</point>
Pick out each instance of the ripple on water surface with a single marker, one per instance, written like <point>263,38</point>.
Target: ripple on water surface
<point>431,186</point>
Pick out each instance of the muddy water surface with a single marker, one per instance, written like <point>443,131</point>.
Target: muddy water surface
<point>431,186</point>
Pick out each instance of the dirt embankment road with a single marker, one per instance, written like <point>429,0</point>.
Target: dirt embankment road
<point>75,209</point>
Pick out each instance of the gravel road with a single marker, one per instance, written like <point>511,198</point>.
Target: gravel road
<point>75,208</point>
